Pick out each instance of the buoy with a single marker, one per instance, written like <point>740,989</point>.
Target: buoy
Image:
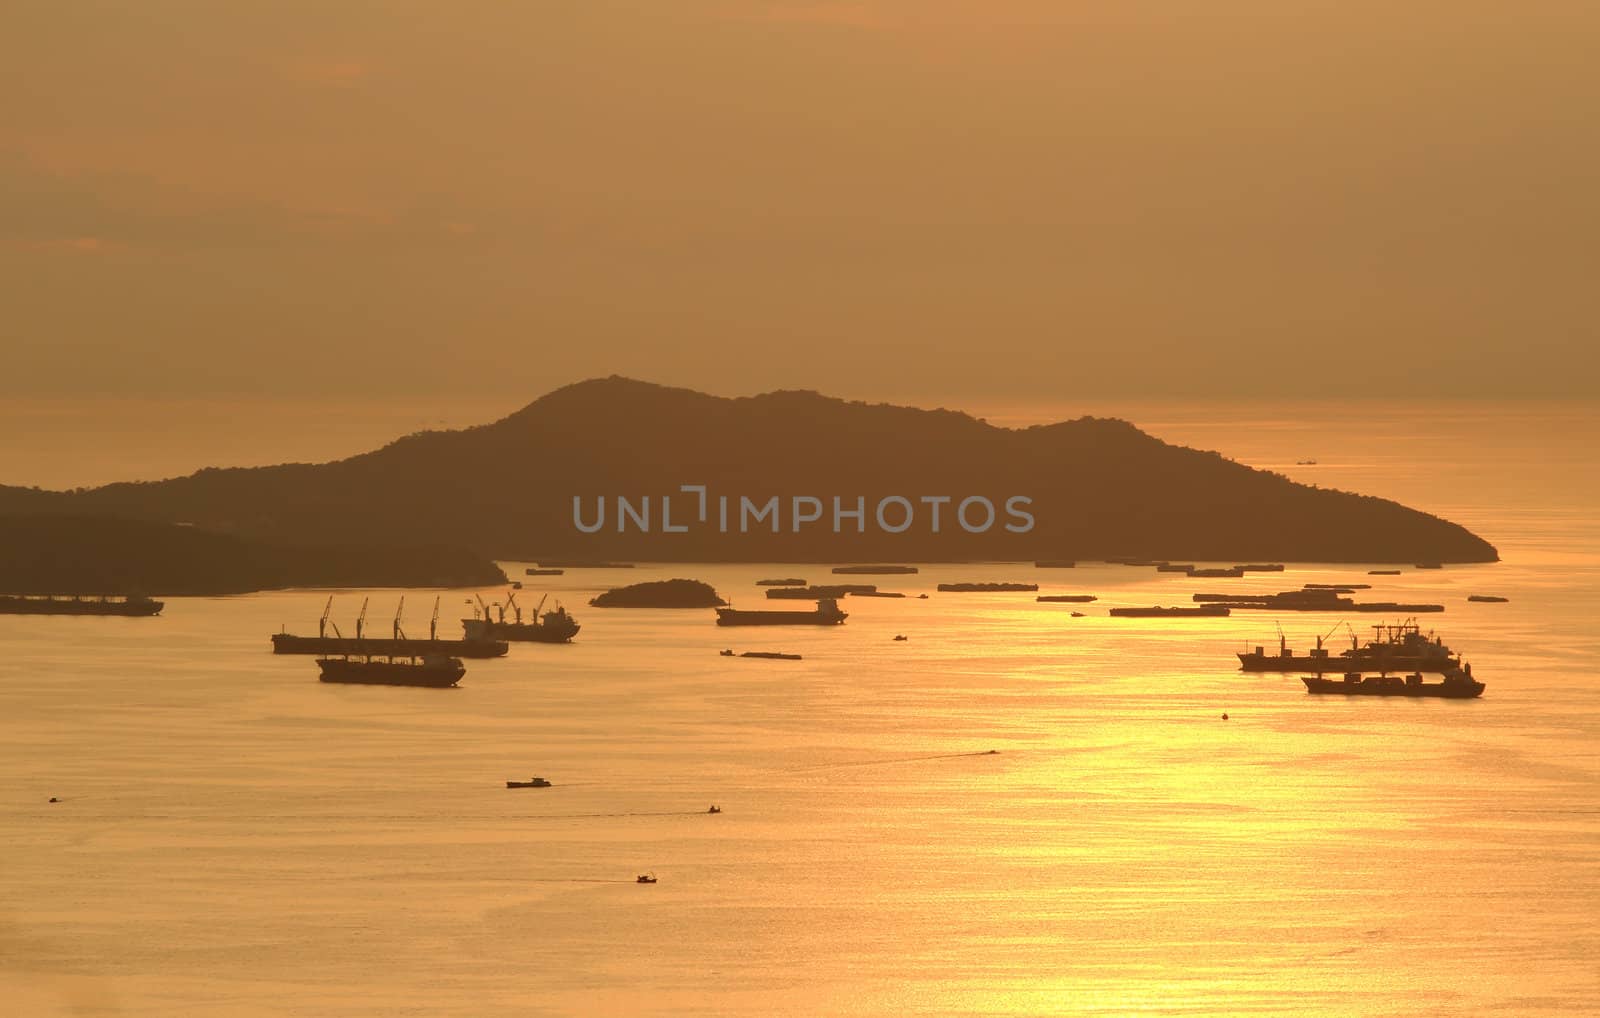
<point>1224,717</point>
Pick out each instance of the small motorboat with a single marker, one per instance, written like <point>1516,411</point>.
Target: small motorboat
<point>899,637</point>
<point>727,653</point>
<point>646,878</point>
<point>714,809</point>
<point>531,783</point>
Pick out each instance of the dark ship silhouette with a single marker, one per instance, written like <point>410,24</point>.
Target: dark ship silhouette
<point>1394,648</point>
<point>1456,685</point>
<point>134,605</point>
<point>397,644</point>
<point>430,670</point>
<point>827,613</point>
<point>554,626</point>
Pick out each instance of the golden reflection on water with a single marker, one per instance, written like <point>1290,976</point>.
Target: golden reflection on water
<point>238,839</point>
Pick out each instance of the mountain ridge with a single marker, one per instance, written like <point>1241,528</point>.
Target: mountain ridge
<point>1101,486</point>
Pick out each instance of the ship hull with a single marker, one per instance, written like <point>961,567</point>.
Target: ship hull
<point>1307,663</point>
<point>1207,612</point>
<point>437,675</point>
<point>287,643</point>
<point>731,617</point>
<point>1393,686</point>
<point>67,606</point>
<point>520,632</point>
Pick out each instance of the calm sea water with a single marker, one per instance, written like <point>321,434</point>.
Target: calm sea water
<point>236,838</point>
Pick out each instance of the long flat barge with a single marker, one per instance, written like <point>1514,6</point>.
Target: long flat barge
<point>132,607</point>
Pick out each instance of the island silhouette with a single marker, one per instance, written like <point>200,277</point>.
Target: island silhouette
<point>1098,488</point>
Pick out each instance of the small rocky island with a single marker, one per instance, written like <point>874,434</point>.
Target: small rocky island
<point>661,594</point>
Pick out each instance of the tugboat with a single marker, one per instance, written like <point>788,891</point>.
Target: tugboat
<point>133,606</point>
<point>1400,647</point>
<point>827,613</point>
<point>1456,685</point>
<point>555,626</point>
<point>433,670</point>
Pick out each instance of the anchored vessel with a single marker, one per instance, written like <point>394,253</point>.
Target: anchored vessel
<point>827,613</point>
<point>397,645</point>
<point>874,570</point>
<point>134,605</point>
<point>1398,648</point>
<point>555,626</point>
<point>1456,685</point>
<point>1204,610</point>
<point>430,670</point>
<point>1321,598</point>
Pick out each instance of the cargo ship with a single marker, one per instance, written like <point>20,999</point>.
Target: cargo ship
<point>827,613</point>
<point>131,606</point>
<point>434,670</point>
<point>1456,685</point>
<point>399,644</point>
<point>1198,611</point>
<point>817,592</point>
<point>554,626</point>
<point>1398,648</point>
<point>1315,599</point>
<point>874,570</point>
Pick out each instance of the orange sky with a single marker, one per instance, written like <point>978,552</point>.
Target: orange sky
<point>922,199</point>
